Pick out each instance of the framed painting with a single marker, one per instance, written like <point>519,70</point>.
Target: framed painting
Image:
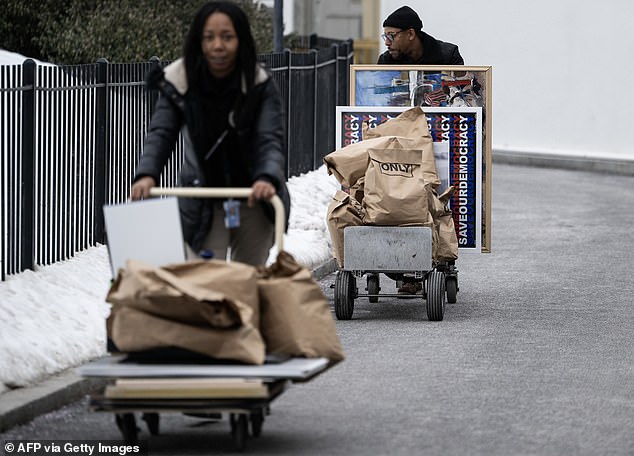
<point>457,140</point>
<point>404,86</point>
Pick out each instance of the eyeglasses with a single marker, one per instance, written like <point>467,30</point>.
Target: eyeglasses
<point>389,36</point>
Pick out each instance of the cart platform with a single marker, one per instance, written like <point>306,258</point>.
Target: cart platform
<point>117,366</point>
<point>241,411</point>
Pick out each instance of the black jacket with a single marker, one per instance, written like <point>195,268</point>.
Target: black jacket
<point>258,133</point>
<point>435,52</point>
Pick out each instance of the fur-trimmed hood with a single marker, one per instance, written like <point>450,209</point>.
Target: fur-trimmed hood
<point>175,74</point>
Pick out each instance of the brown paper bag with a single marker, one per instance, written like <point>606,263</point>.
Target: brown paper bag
<point>356,191</point>
<point>175,291</point>
<point>394,192</point>
<point>296,318</point>
<point>447,238</point>
<point>445,196</point>
<point>135,331</point>
<point>410,124</point>
<point>447,244</point>
<point>343,211</point>
<point>349,163</point>
<point>213,296</point>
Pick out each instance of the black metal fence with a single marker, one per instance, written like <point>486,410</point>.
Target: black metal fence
<point>71,136</point>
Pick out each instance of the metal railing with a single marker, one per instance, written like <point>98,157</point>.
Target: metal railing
<point>71,137</point>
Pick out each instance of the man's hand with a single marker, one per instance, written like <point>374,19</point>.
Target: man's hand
<point>260,190</point>
<point>141,188</point>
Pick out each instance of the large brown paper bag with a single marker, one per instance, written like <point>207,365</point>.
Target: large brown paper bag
<point>173,291</point>
<point>296,318</point>
<point>394,192</point>
<point>349,163</point>
<point>410,124</point>
<point>215,297</point>
<point>136,331</point>
<point>343,211</point>
<point>356,191</point>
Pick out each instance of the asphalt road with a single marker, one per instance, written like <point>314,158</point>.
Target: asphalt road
<point>535,358</point>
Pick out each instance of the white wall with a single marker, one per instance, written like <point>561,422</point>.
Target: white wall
<point>563,70</point>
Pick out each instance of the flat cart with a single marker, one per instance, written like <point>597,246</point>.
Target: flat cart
<point>395,251</point>
<point>241,411</point>
<point>246,415</point>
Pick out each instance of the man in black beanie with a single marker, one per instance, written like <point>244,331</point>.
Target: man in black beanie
<point>407,44</point>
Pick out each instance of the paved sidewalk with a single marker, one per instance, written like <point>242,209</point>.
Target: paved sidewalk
<point>24,404</point>
<point>534,359</point>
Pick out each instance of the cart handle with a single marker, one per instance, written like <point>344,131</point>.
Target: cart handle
<point>228,192</point>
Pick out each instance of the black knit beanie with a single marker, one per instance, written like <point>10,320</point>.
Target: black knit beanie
<point>404,18</point>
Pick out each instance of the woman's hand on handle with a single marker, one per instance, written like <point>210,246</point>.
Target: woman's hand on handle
<point>141,188</point>
<point>260,190</point>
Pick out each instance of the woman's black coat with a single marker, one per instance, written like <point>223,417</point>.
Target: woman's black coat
<point>260,134</point>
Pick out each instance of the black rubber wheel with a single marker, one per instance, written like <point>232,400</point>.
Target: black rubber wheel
<point>435,296</point>
<point>452,289</point>
<point>239,430</point>
<point>257,420</point>
<point>127,425</point>
<point>373,287</point>
<point>344,295</point>
<point>152,421</point>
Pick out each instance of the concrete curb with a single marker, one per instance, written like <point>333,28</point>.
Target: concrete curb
<point>324,269</point>
<point>572,162</point>
<point>24,404</point>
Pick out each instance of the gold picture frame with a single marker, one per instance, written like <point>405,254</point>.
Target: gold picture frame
<point>433,86</point>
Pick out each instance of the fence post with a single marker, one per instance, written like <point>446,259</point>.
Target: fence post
<point>27,229</point>
<point>315,83</point>
<point>343,68</point>
<point>101,122</point>
<point>154,60</point>
<point>312,41</point>
<point>347,48</point>
<point>336,80</point>
<point>288,54</point>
